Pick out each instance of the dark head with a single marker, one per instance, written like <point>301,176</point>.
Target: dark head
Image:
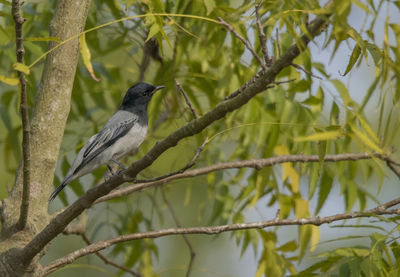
<point>138,95</point>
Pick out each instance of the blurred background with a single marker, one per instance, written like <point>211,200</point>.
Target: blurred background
<point>210,64</point>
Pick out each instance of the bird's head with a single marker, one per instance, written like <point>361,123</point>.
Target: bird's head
<point>139,96</point>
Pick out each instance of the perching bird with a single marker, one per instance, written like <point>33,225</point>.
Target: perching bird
<point>122,134</point>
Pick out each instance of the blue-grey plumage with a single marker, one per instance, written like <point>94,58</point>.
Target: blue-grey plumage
<point>122,134</point>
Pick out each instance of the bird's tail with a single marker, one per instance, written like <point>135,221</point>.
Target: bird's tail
<point>57,191</point>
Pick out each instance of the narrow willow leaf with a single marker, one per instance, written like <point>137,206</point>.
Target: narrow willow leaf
<point>324,190</point>
<point>9,80</point>
<point>21,68</point>
<point>375,52</point>
<point>154,29</point>
<point>288,169</point>
<point>343,91</point>
<point>359,226</point>
<point>304,239</point>
<point>86,56</point>
<point>261,269</point>
<point>210,5</point>
<point>288,247</point>
<point>301,208</point>
<point>329,135</point>
<point>314,237</point>
<point>364,139</point>
<point>370,90</point>
<point>314,176</point>
<point>367,128</point>
<point>353,58</point>
<point>361,6</point>
<point>321,154</point>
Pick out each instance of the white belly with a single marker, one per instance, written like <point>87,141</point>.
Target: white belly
<point>127,144</point>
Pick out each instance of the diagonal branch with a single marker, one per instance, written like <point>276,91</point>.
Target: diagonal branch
<point>248,46</point>
<point>392,165</point>
<point>178,85</point>
<point>256,164</point>
<point>109,262</point>
<point>58,224</point>
<point>79,229</point>
<point>317,221</point>
<point>305,71</point>
<point>20,51</point>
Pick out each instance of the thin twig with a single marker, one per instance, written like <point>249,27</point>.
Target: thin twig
<point>317,221</point>
<point>20,51</point>
<point>395,170</point>
<point>180,171</point>
<point>248,46</point>
<point>178,85</point>
<point>79,229</point>
<point>305,71</point>
<point>175,218</point>
<point>261,36</point>
<point>278,214</point>
<point>109,262</point>
<point>256,163</point>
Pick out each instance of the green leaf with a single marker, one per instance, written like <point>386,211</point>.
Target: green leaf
<point>9,80</point>
<point>304,239</point>
<point>21,68</point>
<point>154,29</point>
<point>288,247</point>
<point>86,56</point>
<point>343,91</point>
<point>328,135</point>
<point>324,190</point>
<point>210,5</point>
<point>353,58</point>
<point>375,52</point>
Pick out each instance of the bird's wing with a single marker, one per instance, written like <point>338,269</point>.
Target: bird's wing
<point>105,138</point>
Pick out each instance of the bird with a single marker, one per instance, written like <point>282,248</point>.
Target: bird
<point>122,134</point>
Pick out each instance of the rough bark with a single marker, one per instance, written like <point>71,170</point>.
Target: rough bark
<point>52,105</point>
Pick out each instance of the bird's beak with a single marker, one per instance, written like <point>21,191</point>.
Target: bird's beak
<point>158,88</point>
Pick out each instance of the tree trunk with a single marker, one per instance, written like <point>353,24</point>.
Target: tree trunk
<point>52,105</point>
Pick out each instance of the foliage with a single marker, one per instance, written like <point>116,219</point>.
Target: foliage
<point>308,116</point>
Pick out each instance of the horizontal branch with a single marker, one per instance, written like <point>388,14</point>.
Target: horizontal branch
<point>256,163</point>
<point>95,247</point>
<point>58,224</point>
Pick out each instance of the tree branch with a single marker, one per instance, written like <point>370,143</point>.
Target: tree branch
<point>248,46</point>
<point>317,221</point>
<point>178,85</point>
<point>256,164</point>
<point>109,262</point>
<point>79,229</point>
<point>58,224</point>
<point>391,164</point>
<point>26,159</point>
<point>305,71</point>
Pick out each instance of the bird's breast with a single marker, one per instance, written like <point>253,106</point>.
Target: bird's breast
<point>130,142</point>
